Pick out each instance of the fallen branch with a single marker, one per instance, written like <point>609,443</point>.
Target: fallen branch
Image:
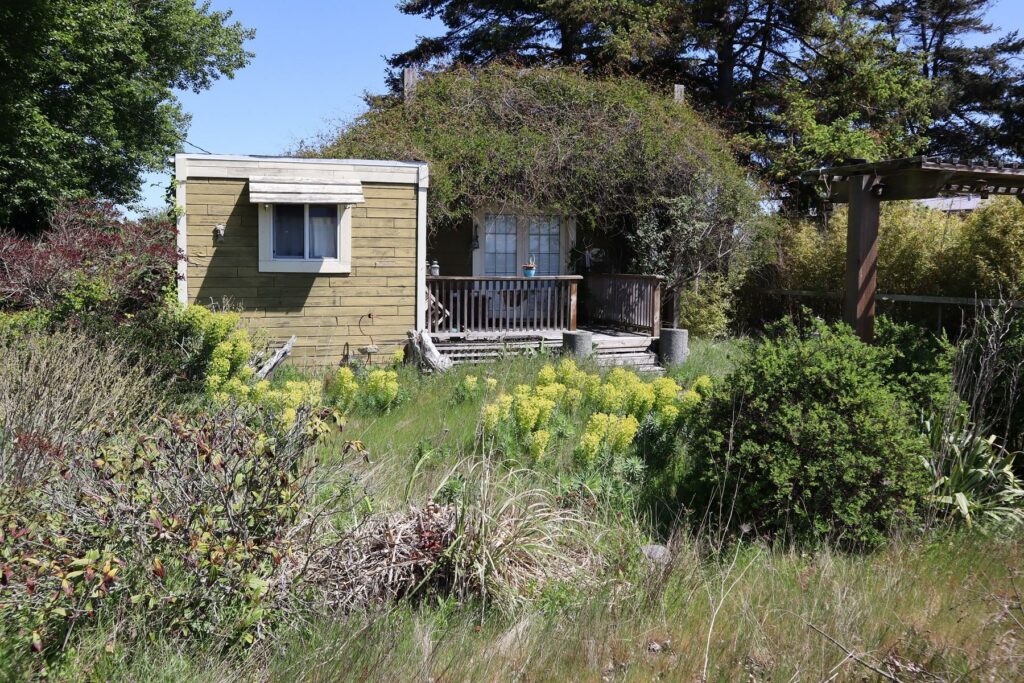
<point>276,359</point>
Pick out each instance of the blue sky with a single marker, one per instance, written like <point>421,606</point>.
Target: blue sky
<point>314,60</point>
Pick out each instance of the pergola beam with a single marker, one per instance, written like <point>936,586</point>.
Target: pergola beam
<point>866,184</point>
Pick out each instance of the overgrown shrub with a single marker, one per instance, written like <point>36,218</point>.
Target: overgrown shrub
<point>185,530</point>
<point>599,149</point>
<point>90,265</point>
<point>60,390</point>
<point>806,441</point>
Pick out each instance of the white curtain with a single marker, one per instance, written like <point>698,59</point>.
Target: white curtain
<point>323,231</point>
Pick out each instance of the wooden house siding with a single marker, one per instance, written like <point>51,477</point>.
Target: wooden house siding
<point>325,312</point>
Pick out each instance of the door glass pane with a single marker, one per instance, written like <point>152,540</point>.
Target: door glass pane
<point>545,243</point>
<point>323,231</point>
<point>500,245</point>
<point>289,225</point>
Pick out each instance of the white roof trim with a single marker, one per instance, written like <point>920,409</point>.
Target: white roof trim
<point>290,190</point>
<point>305,160</point>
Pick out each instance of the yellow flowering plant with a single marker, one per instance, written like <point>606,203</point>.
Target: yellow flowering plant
<point>381,390</point>
<point>618,407</point>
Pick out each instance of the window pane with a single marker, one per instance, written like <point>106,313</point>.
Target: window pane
<point>323,231</point>
<point>545,243</point>
<point>289,241</point>
<point>500,245</point>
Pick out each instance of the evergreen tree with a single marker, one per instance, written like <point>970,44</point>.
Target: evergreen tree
<point>977,108</point>
<point>804,82</point>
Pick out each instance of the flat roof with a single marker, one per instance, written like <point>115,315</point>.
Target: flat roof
<point>305,160</point>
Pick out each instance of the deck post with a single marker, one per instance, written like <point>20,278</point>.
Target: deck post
<point>673,346</point>
<point>862,257</point>
<point>573,299</point>
<point>579,344</point>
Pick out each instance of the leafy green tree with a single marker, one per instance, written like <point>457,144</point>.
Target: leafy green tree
<point>87,103</point>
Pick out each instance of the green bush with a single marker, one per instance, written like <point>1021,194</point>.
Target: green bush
<point>806,441</point>
<point>921,364</point>
<point>705,310</point>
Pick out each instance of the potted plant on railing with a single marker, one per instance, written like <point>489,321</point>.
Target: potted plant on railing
<point>530,268</point>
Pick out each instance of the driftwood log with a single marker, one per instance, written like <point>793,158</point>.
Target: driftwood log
<point>426,354</point>
<point>276,359</point>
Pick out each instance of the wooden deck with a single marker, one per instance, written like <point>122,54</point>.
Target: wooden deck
<point>480,319</point>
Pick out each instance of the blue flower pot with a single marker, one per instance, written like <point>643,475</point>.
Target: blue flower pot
<point>529,272</point>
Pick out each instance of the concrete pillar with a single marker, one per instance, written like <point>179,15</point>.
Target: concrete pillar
<point>579,343</point>
<point>673,346</point>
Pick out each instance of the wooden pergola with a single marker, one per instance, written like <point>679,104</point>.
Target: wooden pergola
<point>865,185</point>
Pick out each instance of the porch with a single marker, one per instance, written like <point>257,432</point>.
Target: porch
<point>481,318</point>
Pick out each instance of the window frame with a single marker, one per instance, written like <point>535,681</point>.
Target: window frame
<point>270,262</point>
<point>523,218</point>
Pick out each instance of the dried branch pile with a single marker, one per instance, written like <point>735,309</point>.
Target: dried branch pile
<point>388,558</point>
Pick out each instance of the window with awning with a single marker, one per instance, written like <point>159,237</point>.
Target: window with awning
<point>305,223</point>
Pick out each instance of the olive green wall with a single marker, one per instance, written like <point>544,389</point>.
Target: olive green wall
<point>324,311</point>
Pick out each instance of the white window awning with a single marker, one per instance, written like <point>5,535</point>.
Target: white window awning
<point>286,190</point>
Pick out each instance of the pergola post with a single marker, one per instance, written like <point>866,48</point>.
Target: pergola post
<point>862,257</point>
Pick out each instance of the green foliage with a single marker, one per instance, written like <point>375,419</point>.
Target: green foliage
<point>921,364</point>
<point>976,110</point>
<point>920,251</point>
<point>88,101</point>
<point>601,150</point>
<point>973,475</point>
<point>805,440</point>
<point>850,94</point>
<point>990,256</point>
<point>181,531</point>
<point>705,307</point>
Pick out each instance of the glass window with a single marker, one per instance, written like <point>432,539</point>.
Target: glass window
<point>500,245</point>
<point>289,231</point>
<point>323,231</point>
<point>545,240</point>
<point>305,231</point>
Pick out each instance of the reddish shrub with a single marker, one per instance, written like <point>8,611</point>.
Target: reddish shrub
<point>123,263</point>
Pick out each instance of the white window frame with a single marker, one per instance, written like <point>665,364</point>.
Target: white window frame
<point>269,263</point>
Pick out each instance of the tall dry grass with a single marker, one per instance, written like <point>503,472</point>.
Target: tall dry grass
<point>59,389</point>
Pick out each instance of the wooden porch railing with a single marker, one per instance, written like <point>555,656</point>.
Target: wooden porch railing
<point>631,302</point>
<point>501,305</point>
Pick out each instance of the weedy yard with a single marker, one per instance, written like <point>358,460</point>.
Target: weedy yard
<point>532,519</point>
